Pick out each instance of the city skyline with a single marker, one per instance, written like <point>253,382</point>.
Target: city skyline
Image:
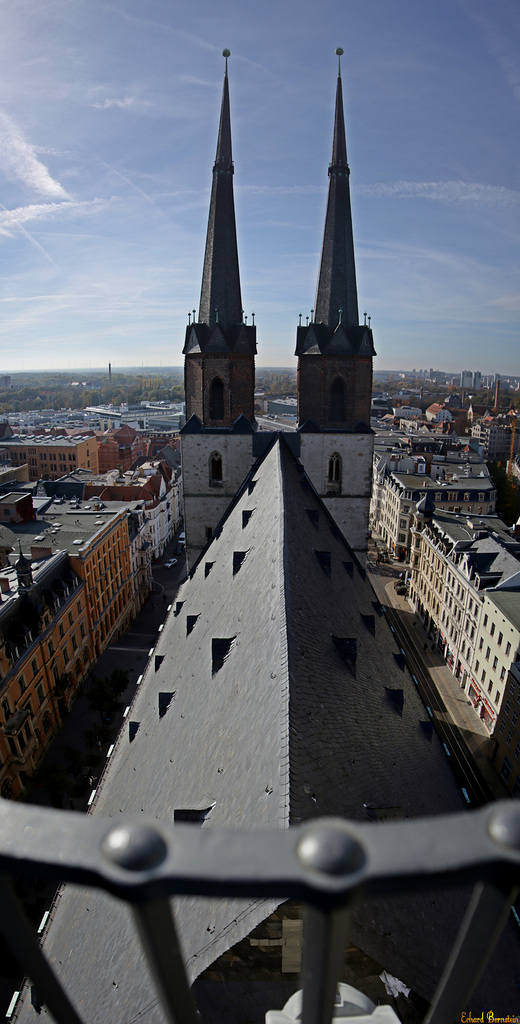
<point>109,123</point>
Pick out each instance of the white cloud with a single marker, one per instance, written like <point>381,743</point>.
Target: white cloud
<point>19,162</point>
<point>471,193</point>
<point>127,103</point>
<point>11,220</point>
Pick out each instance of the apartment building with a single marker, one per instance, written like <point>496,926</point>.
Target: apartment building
<point>49,457</point>
<point>465,583</point>
<point>45,652</point>
<point>398,493</point>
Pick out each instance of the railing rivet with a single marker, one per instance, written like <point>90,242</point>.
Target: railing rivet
<point>134,847</point>
<point>504,827</point>
<point>330,848</point>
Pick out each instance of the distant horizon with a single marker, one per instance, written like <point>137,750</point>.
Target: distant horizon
<point>130,367</point>
<point>109,119</point>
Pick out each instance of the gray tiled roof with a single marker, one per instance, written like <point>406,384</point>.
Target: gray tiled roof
<point>294,724</point>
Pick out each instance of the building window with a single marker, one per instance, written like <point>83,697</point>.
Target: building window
<point>500,638</point>
<point>216,467</point>
<point>337,400</point>
<point>334,469</point>
<point>492,629</point>
<point>509,736</point>
<point>508,649</point>
<point>216,399</point>
<point>495,663</point>
<point>34,666</point>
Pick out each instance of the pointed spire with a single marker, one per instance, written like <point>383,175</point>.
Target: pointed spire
<point>221,278</point>
<point>337,278</point>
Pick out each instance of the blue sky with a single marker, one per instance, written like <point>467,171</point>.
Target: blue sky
<point>108,123</point>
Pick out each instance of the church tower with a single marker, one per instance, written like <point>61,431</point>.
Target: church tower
<point>335,364</point>
<point>334,351</point>
<point>220,348</point>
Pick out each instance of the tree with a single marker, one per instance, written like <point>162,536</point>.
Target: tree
<point>101,697</point>
<point>119,680</point>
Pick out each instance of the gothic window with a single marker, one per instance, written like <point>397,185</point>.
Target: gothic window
<point>334,476</point>
<point>216,467</point>
<point>337,401</point>
<point>216,399</point>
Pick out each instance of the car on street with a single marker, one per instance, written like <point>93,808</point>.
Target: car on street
<point>172,562</point>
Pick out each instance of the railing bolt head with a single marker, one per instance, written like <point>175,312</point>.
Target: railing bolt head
<point>329,847</point>
<point>504,827</point>
<point>134,847</point>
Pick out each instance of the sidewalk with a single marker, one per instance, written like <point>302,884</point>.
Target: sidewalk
<point>459,709</point>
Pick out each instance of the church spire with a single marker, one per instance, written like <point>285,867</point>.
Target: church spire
<point>336,296</point>
<point>220,347</point>
<point>220,297</point>
<point>334,351</point>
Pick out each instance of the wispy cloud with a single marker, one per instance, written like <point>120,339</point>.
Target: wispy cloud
<point>126,103</point>
<point>19,162</point>
<point>12,220</point>
<point>471,193</point>
<point>502,46</point>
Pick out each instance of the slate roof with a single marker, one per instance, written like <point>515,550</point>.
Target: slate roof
<point>288,699</point>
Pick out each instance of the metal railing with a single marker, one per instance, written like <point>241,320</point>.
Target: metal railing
<point>323,863</point>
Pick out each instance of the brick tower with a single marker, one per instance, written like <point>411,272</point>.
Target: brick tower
<point>219,350</point>
<point>334,351</point>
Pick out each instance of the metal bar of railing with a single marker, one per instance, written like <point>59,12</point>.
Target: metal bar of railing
<point>24,943</point>
<point>324,935</point>
<point>481,928</point>
<point>160,943</point>
<point>323,863</point>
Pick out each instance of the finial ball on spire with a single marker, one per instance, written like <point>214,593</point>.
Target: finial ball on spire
<point>227,53</point>
<point>339,51</point>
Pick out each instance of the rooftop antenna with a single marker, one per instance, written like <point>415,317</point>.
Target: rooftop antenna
<point>339,54</point>
<point>189,319</point>
<point>369,319</point>
<point>253,318</point>
<point>312,316</point>
<point>365,316</point>
<point>300,323</point>
<point>226,54</point>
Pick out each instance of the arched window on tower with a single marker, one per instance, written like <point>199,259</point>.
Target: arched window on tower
<point>216,399</point>
<point>337,401</point>
<point>215,468</point>
<point>334,474</point>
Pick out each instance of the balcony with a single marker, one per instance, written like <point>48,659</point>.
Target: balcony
<point>323,864</point>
